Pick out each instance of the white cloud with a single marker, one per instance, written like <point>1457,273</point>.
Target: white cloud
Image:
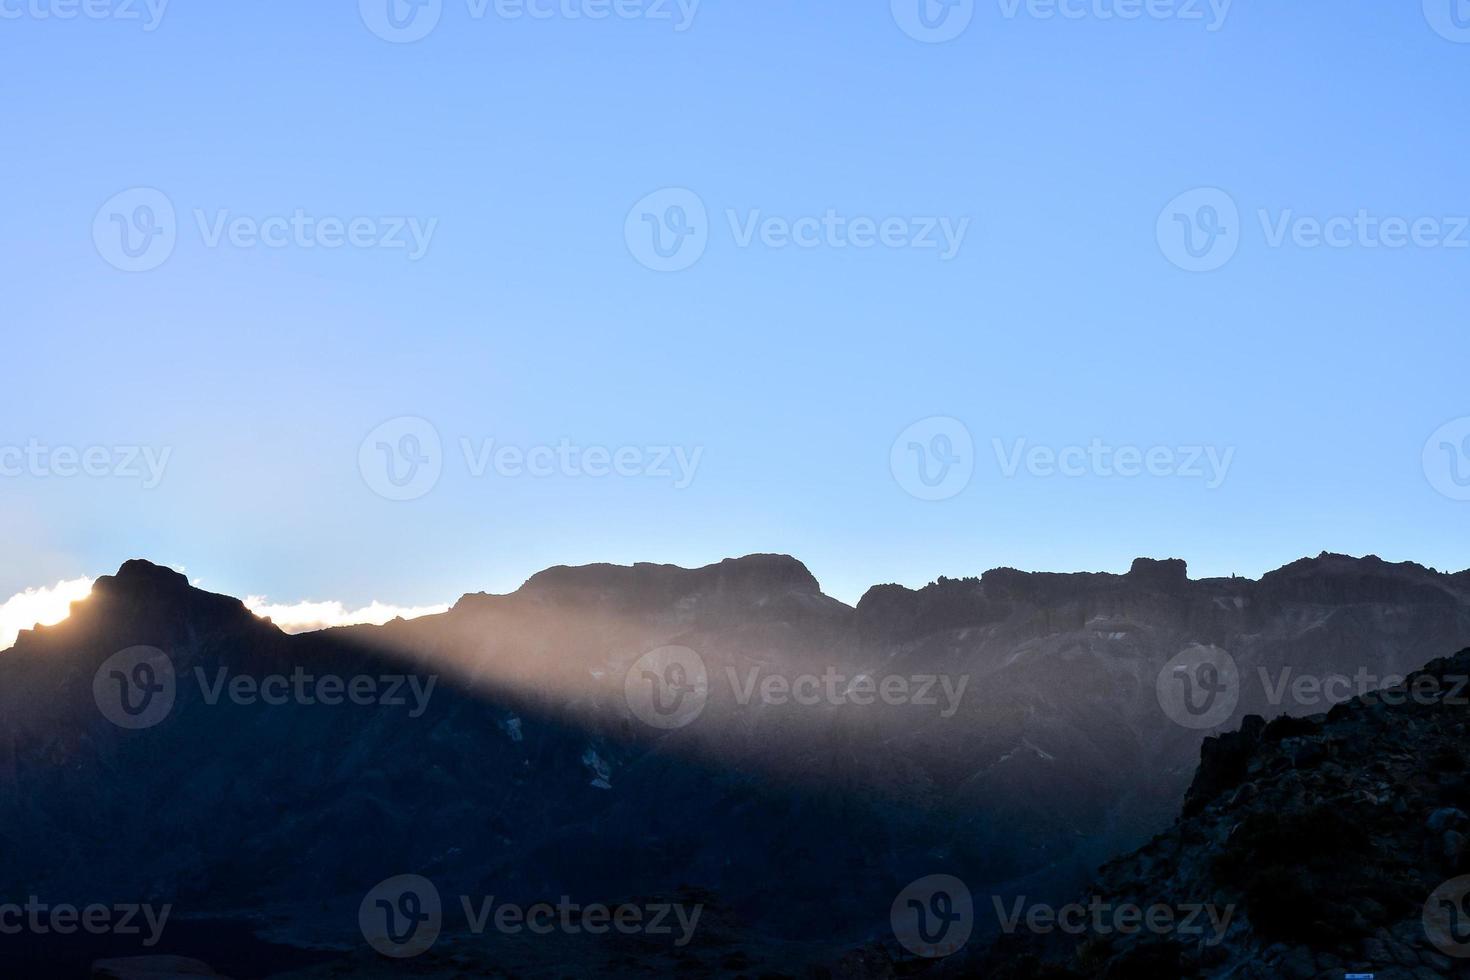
<point>43,606</point>
<point>48,605</point>
<point>303,617</point>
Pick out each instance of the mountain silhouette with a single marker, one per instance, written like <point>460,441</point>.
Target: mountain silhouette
<point>505,747</point>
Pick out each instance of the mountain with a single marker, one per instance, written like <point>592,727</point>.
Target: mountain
<point>1337,843</point>
<point>811,758</point>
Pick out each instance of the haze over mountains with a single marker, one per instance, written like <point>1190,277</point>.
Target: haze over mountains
<point>1014,730</point>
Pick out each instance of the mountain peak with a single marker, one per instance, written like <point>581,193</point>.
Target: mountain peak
<point>776,573</point>
<point>150,603</point>
<point>1164,573</point>
<point>141,573</point>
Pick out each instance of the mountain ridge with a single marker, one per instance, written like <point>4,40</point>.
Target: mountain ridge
<point>138,577</point>
<point>531,769</point>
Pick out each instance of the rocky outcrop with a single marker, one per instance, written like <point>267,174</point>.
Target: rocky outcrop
<point>1336,843</point>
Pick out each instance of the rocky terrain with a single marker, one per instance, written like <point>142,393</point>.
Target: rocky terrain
<point>515,761</point>
<point>1337,843</point>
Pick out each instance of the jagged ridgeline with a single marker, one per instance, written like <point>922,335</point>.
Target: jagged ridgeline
<point>1010,729</point>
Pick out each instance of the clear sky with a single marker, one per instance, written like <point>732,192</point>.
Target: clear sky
<point>1059,316</point>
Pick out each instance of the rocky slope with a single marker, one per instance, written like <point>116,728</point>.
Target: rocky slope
<point>1337,843</point>
<point>1044,741</point>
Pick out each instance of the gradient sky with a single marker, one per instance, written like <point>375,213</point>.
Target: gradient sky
<point>530,320</point>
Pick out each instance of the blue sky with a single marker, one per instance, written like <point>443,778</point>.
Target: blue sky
<point>519,146</point>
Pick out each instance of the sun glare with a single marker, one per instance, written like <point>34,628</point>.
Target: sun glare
<point>45,606</point>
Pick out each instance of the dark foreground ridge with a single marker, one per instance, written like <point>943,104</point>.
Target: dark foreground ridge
<point>504,754</point>
<point>1336,843</point>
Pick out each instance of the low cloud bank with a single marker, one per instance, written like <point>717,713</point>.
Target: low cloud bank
<point>43,606</point>
<point>304,617</point>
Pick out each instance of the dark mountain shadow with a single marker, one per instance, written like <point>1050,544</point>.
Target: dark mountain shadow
<point>497,749</point>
